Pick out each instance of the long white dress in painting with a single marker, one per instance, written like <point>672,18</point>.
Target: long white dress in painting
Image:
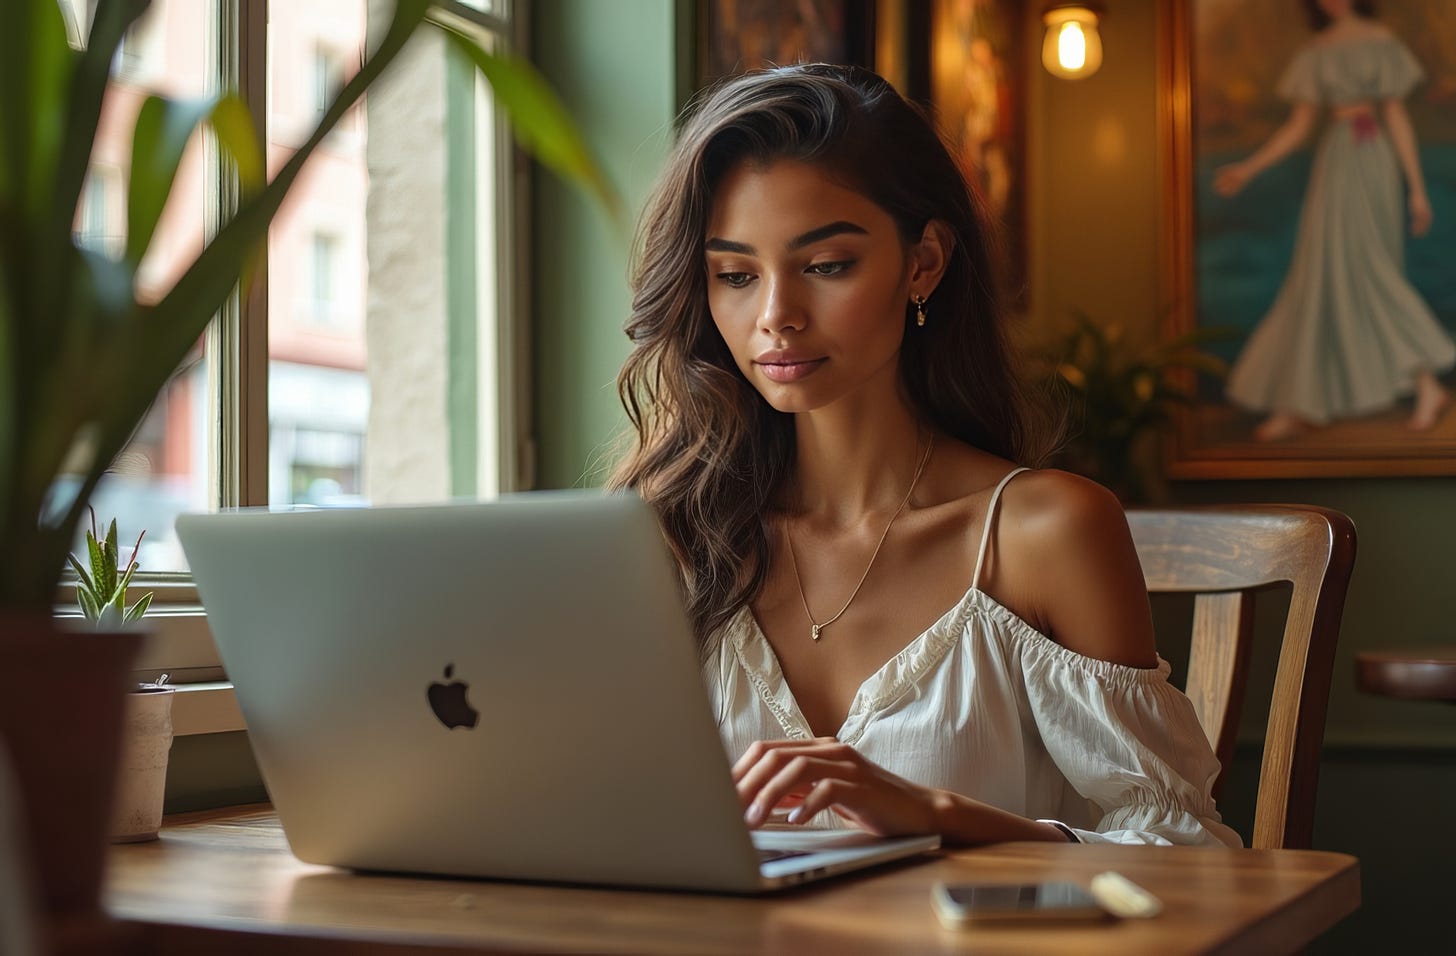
<point>1347,333</point>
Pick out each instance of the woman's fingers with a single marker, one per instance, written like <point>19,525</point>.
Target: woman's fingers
<point>824,774</point>
<point>784,774</point>
<point>827,793</point>
<point>788,779</point>
<point>760,748</point>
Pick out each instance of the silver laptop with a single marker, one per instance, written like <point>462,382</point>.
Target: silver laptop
<point>505,690</point>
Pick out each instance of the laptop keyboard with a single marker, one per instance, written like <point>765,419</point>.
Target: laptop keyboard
<point>768,856</point>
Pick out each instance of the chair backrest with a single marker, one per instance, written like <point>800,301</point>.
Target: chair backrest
<point>1223,554</point>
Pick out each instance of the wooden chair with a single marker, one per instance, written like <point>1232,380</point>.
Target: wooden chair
<point>1223,554</point>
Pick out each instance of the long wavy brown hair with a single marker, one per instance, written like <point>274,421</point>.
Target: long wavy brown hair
<point>710,455</point>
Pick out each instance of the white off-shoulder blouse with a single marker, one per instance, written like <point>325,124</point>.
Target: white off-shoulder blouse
<point>984,705</point>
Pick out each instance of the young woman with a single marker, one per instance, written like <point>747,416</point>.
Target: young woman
<point>901,629</point>
<point>1347,334</point>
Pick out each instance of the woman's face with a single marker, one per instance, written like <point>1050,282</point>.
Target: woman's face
<point>808,283</point>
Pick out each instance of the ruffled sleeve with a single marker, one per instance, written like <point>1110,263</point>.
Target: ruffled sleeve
<point>1130,744</point>
<point>1300,82</point>
<point>1398,70</point>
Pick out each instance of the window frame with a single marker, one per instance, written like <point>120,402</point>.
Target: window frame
<point>180,643</point>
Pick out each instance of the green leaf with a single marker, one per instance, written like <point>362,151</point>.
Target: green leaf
<point>541,124</point>
<point>138,609</point>
<point>35,74</point>
<point>54,283</point>
<point>109,619</point>
<point>110,284</point>
<point>109,545</point>
<point>233,124</point>
<point>90,609</point>
<point>118,597</point>
<point>98,564</point>
<point>163,129</point>
<point>10,402</point>
<point>81,574</point>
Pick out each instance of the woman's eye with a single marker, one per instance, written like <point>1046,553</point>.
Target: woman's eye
<point>735,280</point>
<point>828,268</point>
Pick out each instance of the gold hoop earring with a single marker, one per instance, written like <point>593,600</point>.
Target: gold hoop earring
<point>919,301</point>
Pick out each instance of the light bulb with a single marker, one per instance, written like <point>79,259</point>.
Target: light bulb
<point>1072,48</point>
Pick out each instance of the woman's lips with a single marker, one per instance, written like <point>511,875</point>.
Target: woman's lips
<point>791,371</point>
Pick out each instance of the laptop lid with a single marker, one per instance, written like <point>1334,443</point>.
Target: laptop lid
<point>506,689</point>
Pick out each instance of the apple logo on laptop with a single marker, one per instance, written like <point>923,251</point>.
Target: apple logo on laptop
<point>449,703</point>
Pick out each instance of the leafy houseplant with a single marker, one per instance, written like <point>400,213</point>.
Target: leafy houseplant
<point>136,812</point>
<point>1118,397</point>
<point>82,358</point>
<point>101,591</point>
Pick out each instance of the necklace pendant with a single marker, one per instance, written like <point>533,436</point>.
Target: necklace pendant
<point>815,632</point>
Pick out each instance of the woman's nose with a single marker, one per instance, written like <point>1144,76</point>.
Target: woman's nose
<point>781,307</point>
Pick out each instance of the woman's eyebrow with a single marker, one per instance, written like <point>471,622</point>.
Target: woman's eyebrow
<point>825,232</point>
<point>819,234</point>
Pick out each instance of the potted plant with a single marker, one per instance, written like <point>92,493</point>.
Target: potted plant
<point>1117,397</point>
<point>82,358</point>
<point>146,736</point>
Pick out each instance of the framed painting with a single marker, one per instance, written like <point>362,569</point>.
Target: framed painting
<point>1308,173</point>
<point>977,93</point>
<point>735,36</point>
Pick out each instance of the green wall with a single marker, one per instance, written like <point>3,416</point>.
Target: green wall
<point>615,66</point>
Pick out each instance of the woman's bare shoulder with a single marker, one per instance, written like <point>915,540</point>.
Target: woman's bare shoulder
<point>1048,505</point>
<point>1069,559</point>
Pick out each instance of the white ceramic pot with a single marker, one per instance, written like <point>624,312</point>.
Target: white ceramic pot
<point>142,775</point>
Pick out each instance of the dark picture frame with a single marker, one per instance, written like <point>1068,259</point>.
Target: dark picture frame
<point>977,93</point>
<point>1226,259</point>
<point>735,36</point>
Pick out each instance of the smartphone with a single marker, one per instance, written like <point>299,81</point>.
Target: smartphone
<point>962,904</point>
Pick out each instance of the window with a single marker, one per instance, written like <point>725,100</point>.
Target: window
<point>324,304</point>
<point>328,77</point>
<point>101,221</point>
<point>369,369</point>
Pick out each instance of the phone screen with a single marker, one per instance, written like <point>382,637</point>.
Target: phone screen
<point>961,903</point>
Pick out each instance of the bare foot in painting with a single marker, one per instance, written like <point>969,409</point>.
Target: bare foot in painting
<point>1279,426</point>
<point>1431,402</point>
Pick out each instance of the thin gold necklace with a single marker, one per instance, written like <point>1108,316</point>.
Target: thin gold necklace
<point>815,627</point>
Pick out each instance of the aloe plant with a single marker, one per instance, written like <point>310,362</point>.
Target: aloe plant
<point>81,358</point>
<point>101,587</point>
<point>1119,395</point>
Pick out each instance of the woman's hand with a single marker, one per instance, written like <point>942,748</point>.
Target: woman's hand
<point>1231,179</point>
<point>811,776</point>
<point>1420,214</point>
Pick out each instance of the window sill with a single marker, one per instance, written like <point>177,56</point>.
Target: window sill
<point>205,708</point>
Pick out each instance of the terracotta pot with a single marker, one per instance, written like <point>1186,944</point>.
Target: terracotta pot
<point>60,719</point>
<point>141,780</point>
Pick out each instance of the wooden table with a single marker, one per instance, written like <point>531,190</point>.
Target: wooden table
<point>1425,674</point>
<point>224,882</point>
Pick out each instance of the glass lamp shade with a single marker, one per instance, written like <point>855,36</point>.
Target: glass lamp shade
<point>1072,48</point>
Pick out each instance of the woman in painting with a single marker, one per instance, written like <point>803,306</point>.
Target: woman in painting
<point>1347,334</point>
<point>830,428</point>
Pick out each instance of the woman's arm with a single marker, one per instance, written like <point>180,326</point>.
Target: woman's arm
<point>1403,136</point>
<point>824,774</point>
<point>1229,179</point>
